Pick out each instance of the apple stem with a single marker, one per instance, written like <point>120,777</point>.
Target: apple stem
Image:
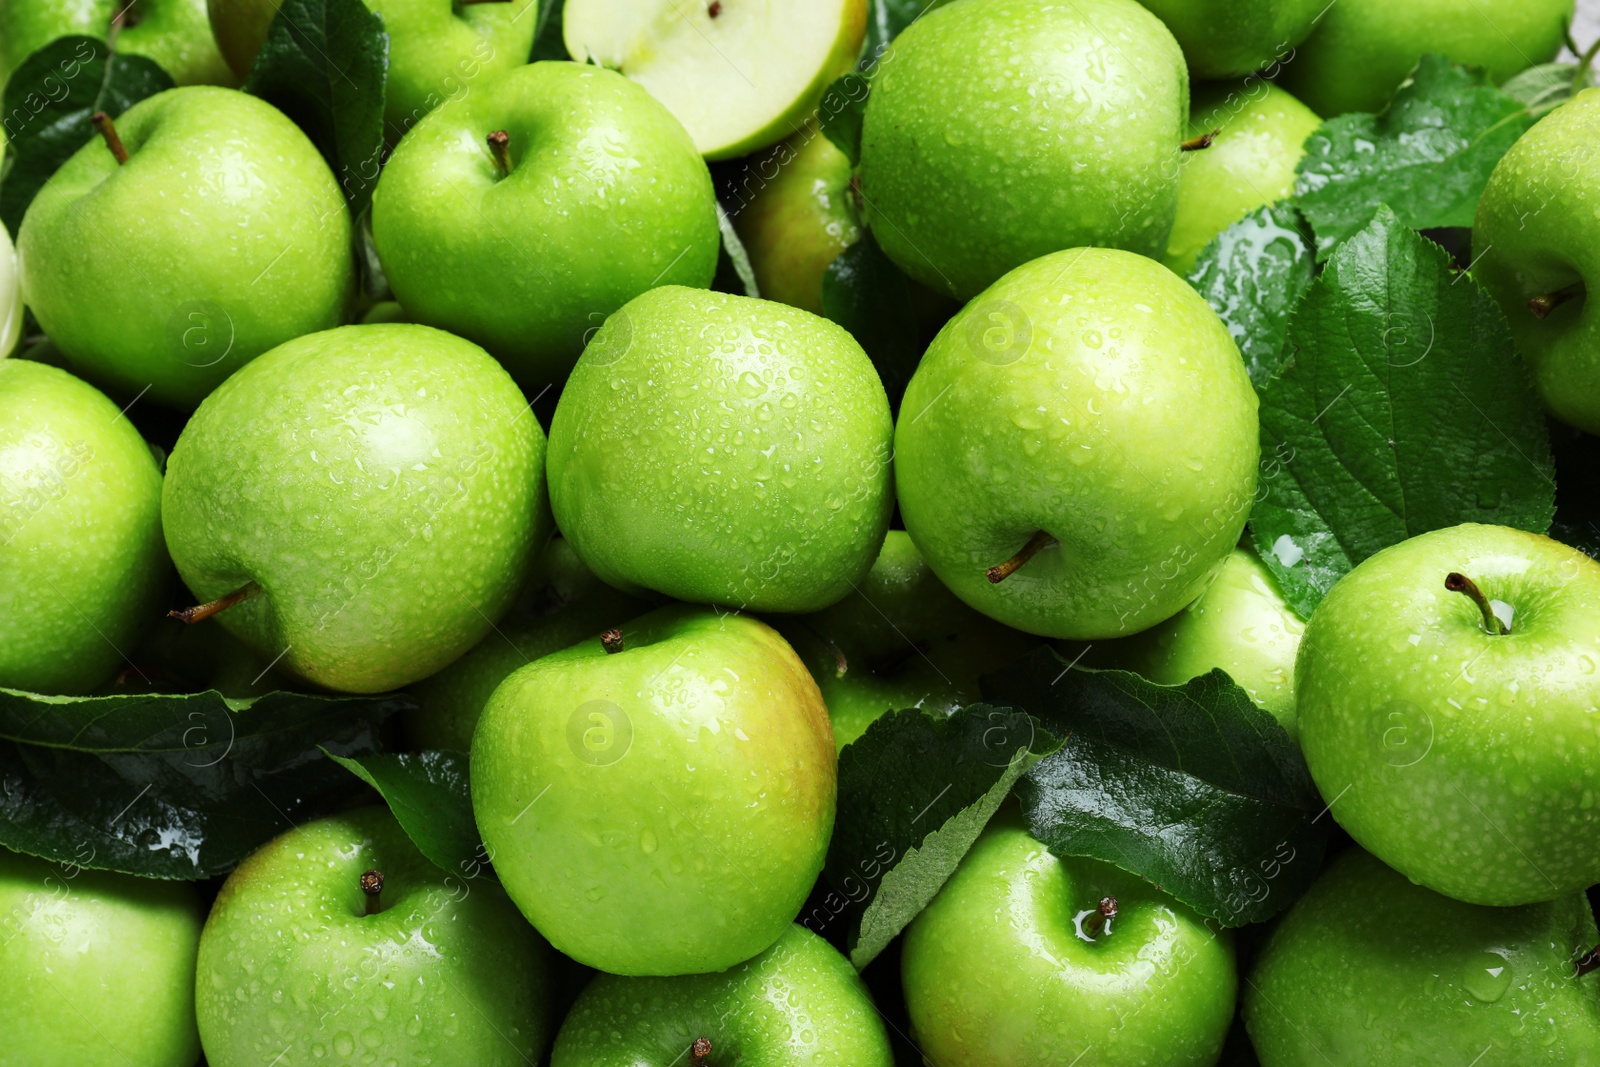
<point>699,1051</point>
<point>1587,962</point>
<point>1196,144</point>
<point>108,130</point>
<point>1103,914</point>
<point>500,148</point>
<point>202,612</point>
<point>611,641</point>
<point>1001,572</point>
<point>1460,583</point>
<point>715,9</point>
<point>372,886</point>
<point>1543,304</point>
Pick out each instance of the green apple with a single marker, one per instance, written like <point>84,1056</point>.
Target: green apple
<point>301,962</point>
<point>10,292</point>
<point>660,801</point>
<point>1232,38</point>
<point>97,968</point>
<point>1538,243</point>
<point>962,179</point>
<point>593,195</point>
<point>240,28</point>
<point>173,33</point>
<point>1369,968</point>
<point>223,235</point>
<point>797,1002</point>
<point>1362,50</point>
<point>738,76</point>
<point>1456,743</point>
<point>1076,453</point>
<point>82,565</point>
<point>1260,137</point>
<point>359,505</point>
<point>723,450</point>
<point>561,604</point>
<point>1014,964</point>
<point>801,215</point>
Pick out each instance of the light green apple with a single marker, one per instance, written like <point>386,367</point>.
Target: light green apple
<point>375,494</point>
<point>173,33</point>
<point>10,292</point>
<point>723,450</point>
<point>223,235</point>
<point>598,196</point>
<point>1260,135</point>
<point>961,178</point>
<point>1369,968</point>
<point>1076,453</point>
<point>97,968</point>
<point>301,964</point>
<point>738,76</point>
<point>1013,964</point>
<point>1453,749</point>
<point>1538,250</point>
<point>658,803</point>
<point>797,1002</point>
<point>1362,50</point>
<point>1232,38</point>
<point>82,564</point>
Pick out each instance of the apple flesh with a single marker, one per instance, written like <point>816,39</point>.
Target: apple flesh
<point>175,34</point>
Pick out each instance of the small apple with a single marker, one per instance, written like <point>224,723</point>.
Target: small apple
<point>1370,968</point>
<point>658,800</point>
<point>1232,38</point>
<point>998,132</point>
<point>797,1002</point>
<point>82,564</point>
<point>359,505</point>
<point>222,235</point>
<point>340,942</point>
<point>738,76</point>
<point>1449,707</point>
<point>97,968</point>
<point>175,34</point>
<point>723,450</point>
<point>1076,453</point>
<point>1030,960</point>
<point>524,213</point>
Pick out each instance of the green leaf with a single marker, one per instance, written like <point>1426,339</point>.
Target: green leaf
<point>1546,87</point>
<point>841,111</point>
<point>1428,156</point>
<point>1191,787</point>
<point>869,296</point>
<point>1252,274</point>
<point>172,786</point>
<point>547,40</point>
<point>914,794</point>
<point>430,795</point>
<point>325,64</point>
<point>48,101</point>
<point>1404,408</point>
<point>734,272</point>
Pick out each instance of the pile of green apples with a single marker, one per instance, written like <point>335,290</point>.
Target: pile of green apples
<point>654,552</point>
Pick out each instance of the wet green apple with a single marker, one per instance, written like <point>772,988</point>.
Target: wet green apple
<point>1232,38</point>
<point>175,34</point>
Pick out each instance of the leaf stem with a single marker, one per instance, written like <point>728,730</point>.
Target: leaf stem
<point>1001,571</point>
<point>202,612</point>
<point>500,148</point>
<point>1543,304</point>
<point>1460,583</point>
<point>108,130</point>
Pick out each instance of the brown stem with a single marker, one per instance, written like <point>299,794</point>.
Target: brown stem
<point>1460,583</point>
<point>699,1051</point>
<point>1196,144</point>
<point>1587,962</point>
<point>1543,304</point>
<point>108,130</point>
<point>372,886</point>
<point>1001,572</point>
<point>202,612</point>
<point>1103,914</point>
<point>500,148</point>
<point>611,641</point>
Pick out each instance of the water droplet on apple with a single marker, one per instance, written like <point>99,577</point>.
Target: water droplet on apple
<point>1487,976</point>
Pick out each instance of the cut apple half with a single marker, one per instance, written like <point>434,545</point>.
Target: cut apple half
<point>739,74</point>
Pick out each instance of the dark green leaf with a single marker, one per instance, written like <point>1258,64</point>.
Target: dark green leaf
<point>914,794</point>
<point>172,786</point>
<point>1428,156</point>
<point>1403,409</point>
<point>430,795</point>
<point>1252,274</point>
<point>869,296</point>
<point>1546,87</point>
<point>325,64</point>
<point>1191,787</point>
<point>841,111</point>
<point>547,42</point>
<point>48,101</point>
<point>734,272</point>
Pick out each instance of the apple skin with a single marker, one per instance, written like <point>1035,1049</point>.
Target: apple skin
<point>961,180</point>
<point>1457,756</point>
<point>1362,50</point>
<point>173,33</point>
<point>82,563</point>
<point>1369,968</point>
<point>224,235</point>
<point>1535,234</point>
<point>1232,38</point>
<point>797,1002</point>
<point>97,967</point>
<point>240,28</point>
<point>995,972</point>
<point>510,263</point>
<point>685,793</point>
<point>10,291</point>
<point>292,966</point>
<point>1094,395</point>
<point>382,484</point>
<point>1252,162</point>
<point>723,450</point>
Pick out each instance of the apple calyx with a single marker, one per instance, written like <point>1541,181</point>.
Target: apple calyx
<point>699,1051</point>
<point>611,641</point>
<point>108,130</point>
<point>202,612</point>
<point>1589,961</point>
<point>1000,572</point>
<point>1196,144</point>
<point>500,148</point>
<point>372,886</point>
<point>1460,583</point>
<point>1543,304</point>
<point>1103,914</point>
